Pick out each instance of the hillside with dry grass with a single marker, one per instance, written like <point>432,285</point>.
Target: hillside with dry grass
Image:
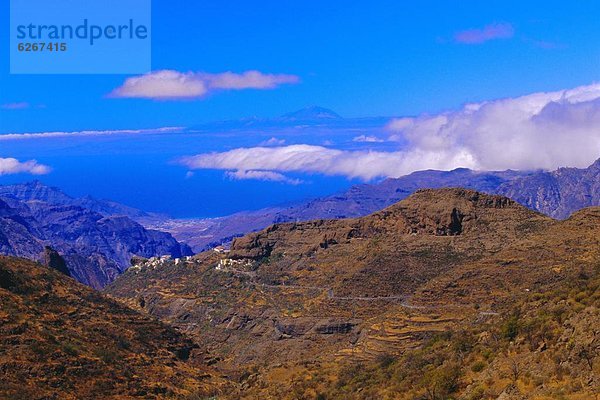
<point>448,294</point>
<point>62,340</point>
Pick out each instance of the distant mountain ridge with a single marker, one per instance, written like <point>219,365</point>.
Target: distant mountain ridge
<point>308,116</point>
<point>357,201</point>
<point>38,191</point>
<point>557,194</point>
<point>554,193</point>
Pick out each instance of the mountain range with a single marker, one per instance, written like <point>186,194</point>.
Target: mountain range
<point>313,116</point>
<point>449,293</point>
<point>96,238</point>
<point>37,191</point>
<point>557,194</point>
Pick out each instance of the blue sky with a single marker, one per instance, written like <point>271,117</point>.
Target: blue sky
<point>360,58</point>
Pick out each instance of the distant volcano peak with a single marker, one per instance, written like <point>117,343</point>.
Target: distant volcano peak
<point>312,113</point>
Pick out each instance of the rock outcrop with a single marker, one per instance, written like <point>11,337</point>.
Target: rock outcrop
<point>52,259</point>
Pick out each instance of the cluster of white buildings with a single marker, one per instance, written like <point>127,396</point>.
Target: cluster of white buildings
<point>160,261</point>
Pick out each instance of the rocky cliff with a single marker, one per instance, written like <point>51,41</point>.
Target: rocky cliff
<point>557,193</point>
<point>96,248</point>
<point>37,191</point>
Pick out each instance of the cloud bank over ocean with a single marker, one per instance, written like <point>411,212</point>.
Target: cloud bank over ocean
<point>10,166</point>
<point>543,130</point>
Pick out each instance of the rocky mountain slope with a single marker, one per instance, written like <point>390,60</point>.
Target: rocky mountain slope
<point>37,191</point>
<point>357,201</point>
<point>557,194</point>
<point>426,288</point>
<point>62,340</point>
<point>96,248</point>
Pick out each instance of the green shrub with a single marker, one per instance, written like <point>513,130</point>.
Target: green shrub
<point>478,366</point>
<point>477,394</point>
<point>107,355</point>
<point>123,343</point>
<point>70,348</point>
<point>510,329</point>
<point>385,360</point>
<point>40,348</point>
<point>441,382</point>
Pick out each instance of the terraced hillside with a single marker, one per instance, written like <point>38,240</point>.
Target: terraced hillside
<point>292,306</point>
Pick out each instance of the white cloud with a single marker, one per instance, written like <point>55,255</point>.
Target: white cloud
<point>45,135</point>
<point>15,106</point>
<point>316,159</point>
<point>367,139</point>
<point>273,142</point>
<point>262,176</point>
<point>246,80</point>
<point>175,85</point>
<point>489,32</point>
<point>13,166</point>
<point>541,130</point>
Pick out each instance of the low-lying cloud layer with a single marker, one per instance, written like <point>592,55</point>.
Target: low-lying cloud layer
<point>13,166</point>
<point>262,176</point>
<point>367,139</point>
<point>543,130</point>
<point>365,165</point>
<point>60,134</point>
<point>273,142</point>
<point>175,85</point>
